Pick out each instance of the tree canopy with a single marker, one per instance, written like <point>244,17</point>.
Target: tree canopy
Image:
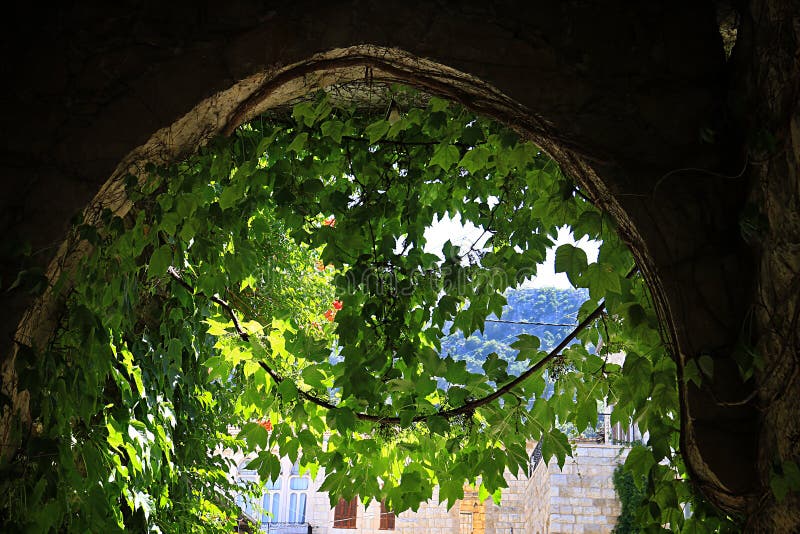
<point>282,274</point>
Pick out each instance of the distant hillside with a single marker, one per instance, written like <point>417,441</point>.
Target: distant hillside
<point>548,305</point>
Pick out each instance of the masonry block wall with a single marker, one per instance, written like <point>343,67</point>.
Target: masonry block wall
<point>582,495</point>
<point>537,500</point>
<point>580,498</point>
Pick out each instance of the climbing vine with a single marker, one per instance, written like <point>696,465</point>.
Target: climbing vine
<point>280,282</point>
<point>630,497</point>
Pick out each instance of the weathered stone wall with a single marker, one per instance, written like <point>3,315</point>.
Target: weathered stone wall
<point>582,495</point>
<point>431,518</point>
<point>580,498</point>
<point>537,497</point>
<point>510,515</point>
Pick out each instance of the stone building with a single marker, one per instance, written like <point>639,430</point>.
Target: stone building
<point>579,498</point>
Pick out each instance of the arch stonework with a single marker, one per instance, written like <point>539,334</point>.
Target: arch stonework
<point>624,97</point>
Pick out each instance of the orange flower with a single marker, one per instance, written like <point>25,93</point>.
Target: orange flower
<point>266,424</point>
<point>330,314</point>
<point>319,266</point>
<point>330,221</point>
<point>337,304</point>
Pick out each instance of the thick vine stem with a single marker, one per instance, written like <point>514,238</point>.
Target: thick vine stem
<point>466,408</point>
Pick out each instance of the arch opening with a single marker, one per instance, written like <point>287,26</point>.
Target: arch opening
<point>262,92</point>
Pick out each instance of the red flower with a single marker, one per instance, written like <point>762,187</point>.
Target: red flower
<point>330,314</point>
<point>266,424</point>
<point>330,221</point>
<point>337,304</point>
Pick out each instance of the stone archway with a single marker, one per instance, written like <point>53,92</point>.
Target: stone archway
<point>618,95</point>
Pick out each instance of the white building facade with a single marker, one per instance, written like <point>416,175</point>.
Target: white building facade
<point>580,498</point>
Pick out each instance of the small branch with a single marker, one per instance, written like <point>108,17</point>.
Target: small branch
<point>244,336</point>
<point>470,406</point>
<point>488,226</point>
<point>173,272</point>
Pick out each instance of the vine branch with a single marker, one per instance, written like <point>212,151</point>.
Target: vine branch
<point>173,272</point>
<point>467,407</point>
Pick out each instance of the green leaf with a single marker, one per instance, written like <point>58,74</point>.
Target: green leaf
<point>445,156</point>
<point>231,195</point>
<point>312,186</point>
<point>495,368</point>
<point>600,278</point>
<point>377,130</point>
<point>313,377</point>
<point>305,113</point>
<point>586,416</point>
<point>572,261</point>
<point>639,462</point>
<point>115,437</point>
<point>691,373</point>
<point>255,435</point>
<point>333,129</point>
<point>425,386</point>
<point>438,425</point>
<point>299,143</point>
<point>159,261</point>
<point>706,364</point>
<point>345,419</point>
<point>555,443</point>
<point>475,159</point>
<point>791,472</point>
<point>588,224</point>
<point>526,342</point>
<point>784,478</point>
<point>438,104</point>
<point>287,390</point>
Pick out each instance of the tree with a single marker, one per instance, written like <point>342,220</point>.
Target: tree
<point>281,274</point>
<point>127,417</point>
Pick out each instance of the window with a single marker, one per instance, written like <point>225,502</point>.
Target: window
<point>387,518</point>
<point>298,488</point>
<point>344,515</point>
<point>272,502</point>
<point>283,501</point>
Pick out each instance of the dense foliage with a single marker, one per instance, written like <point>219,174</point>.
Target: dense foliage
<point>631,497</point>
<point>282,274</point>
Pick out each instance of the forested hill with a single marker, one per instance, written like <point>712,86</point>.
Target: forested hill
<point>546,305</point>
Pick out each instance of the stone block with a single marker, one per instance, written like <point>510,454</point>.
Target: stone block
<point>568,491</point>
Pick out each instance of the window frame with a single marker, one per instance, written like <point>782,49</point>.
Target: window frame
<point>277,495</point>
<point>345,514</point>
<point>387,518</point>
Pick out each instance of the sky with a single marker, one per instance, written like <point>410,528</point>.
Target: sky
<point>466,234</point>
